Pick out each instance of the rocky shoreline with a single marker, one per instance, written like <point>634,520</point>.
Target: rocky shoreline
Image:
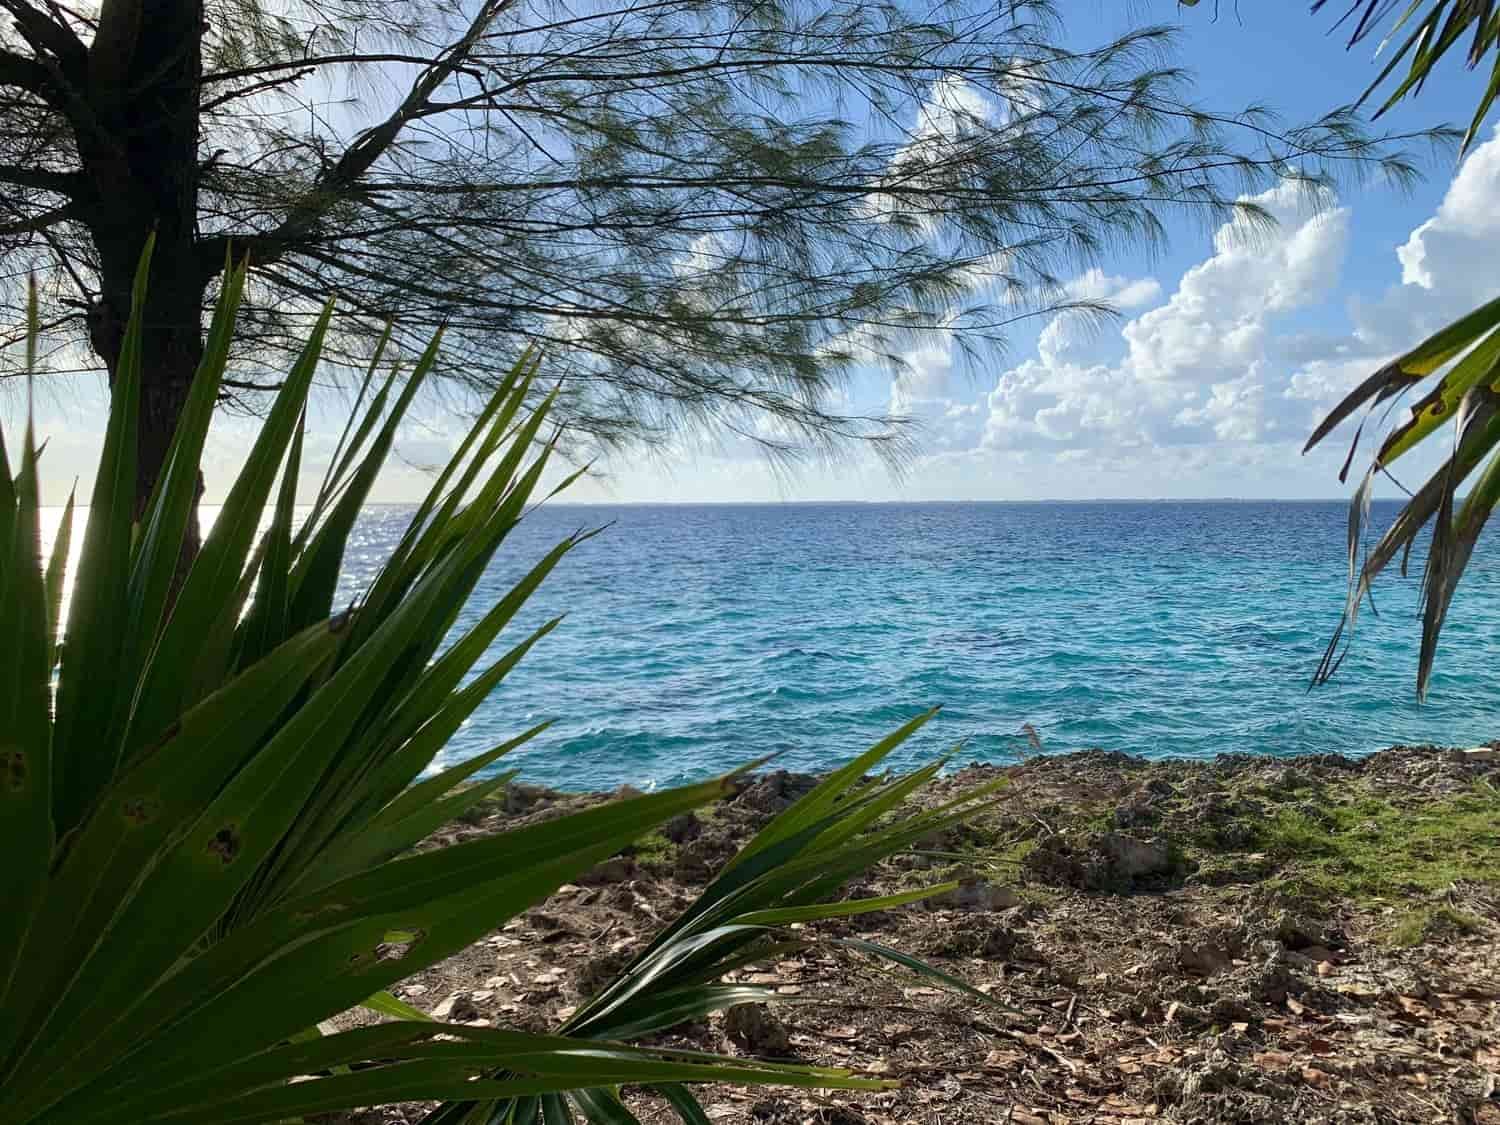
<point>1247,939</point>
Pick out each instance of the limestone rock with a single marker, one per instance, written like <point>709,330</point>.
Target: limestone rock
<point>756,1030</point>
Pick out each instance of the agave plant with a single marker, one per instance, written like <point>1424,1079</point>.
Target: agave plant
<point>1462,360</point>
<point>211,782</point>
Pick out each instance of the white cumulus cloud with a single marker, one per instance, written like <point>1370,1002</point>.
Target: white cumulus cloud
<point>1194,368</point>
<point>1447,264</point>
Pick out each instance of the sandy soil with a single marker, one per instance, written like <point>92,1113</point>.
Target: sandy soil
<point>1155,952</point>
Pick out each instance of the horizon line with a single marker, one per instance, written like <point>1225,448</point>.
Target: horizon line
<point>889,503</point>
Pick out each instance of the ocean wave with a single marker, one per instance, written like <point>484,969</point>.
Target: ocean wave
<point>700,638</point>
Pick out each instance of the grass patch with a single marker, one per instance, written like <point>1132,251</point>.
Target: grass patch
<point>653,849</point>
<point>1416,926</point>
<point>1367,847</point>
<point>1011,853</point>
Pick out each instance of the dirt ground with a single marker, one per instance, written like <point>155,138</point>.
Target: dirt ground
<point>1241,940</point>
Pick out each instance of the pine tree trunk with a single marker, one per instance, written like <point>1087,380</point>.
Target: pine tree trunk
<point>171,347</point>
<point>144,74</point>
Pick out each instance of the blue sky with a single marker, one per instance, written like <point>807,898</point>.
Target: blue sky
<point>1224,354</point>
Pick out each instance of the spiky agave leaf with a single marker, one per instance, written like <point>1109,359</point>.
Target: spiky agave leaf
<point>206,824</point>
<point>787,874</point>
<point>27,830</point>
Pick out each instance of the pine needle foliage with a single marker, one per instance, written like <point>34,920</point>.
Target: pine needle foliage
<point>719,212</point>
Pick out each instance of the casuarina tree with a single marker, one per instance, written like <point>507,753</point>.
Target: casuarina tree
<point>713,209</point>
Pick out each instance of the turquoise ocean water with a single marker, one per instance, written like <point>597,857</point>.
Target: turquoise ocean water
<point>699,637</point>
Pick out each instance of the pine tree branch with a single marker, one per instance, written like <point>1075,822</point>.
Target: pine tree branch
<point>60,183</point>
<point>41,222</point>
<point>44,33</point>
<point>272,83</point>
<point>22,73</point>
<point>341,179</point>
<point>309,62</point>
<point>709,210</point>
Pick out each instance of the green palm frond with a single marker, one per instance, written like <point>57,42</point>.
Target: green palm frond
<point>1421,36</point>
<point>1462,360</point>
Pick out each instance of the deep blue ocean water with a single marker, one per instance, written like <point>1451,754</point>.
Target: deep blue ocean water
<point>700,637</point>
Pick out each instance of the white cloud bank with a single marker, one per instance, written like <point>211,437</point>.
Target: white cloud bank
<point>1209,389</point>
<point>1218,373</point>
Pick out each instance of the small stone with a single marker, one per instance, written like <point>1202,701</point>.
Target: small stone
<point>752,1027</point>
<point>695,864</point>
<point>1135,813</point>
<point>1319,953</point>
<point>457,1008</point>
<point>520,797</point>
<point>595,974</point>
<point>941,840</point>
<point>1134,859</point>
<point>682,828</point>
<point>1106,861</point>
<point>771,793</point>
<point>977,895</point>
<point>615,870</point>
<point>991,940</point>
<point>1205,959</point>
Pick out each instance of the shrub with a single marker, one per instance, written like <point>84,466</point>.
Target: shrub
<point>210,784</point>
